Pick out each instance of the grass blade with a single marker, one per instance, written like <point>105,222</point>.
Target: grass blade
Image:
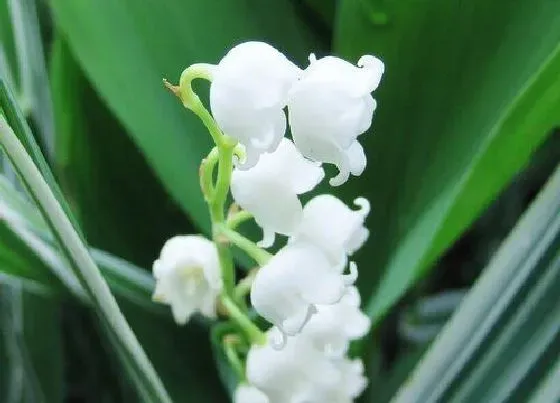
<point>30,347</point>
<point>35,90</point>
<point>22,220</point>
<point>85,268</point>
<point>514,358</point>
<point>549,390</point>
<point>483,310</point>
<point>16,120</point>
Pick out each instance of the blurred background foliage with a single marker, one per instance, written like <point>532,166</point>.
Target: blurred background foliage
<point>464,138</point>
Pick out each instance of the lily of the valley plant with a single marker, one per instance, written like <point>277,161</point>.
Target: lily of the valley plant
<point>306,290</point>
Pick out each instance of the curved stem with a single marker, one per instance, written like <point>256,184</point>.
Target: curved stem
<point>260,255</point>
<point>254,334</point>
<point>233,356</point>
<point>238,218</point>
<point>192,101</point>
<point>217,214</point>
<point>206,174</point>
<point>225,168</point>
<point>217,196</point>
<point>244,286</point>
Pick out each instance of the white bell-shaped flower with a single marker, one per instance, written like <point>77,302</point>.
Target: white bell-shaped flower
<point>353,382</point>
<point>334,227</point>
<point>188,277</point>
<point>292,374</point>
<point>248,93</point>
<point>287,289</point>
<point>350,383</point>
<point>249,394</point>
<point>270,189</point>
<point>329,107</point>
<point>333,326</point>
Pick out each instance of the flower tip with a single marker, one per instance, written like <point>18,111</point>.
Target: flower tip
<point>371,62</point>
<point>364,206</point>
<point>278,343</point>
<point>268,239</point>
<point>157,297</point>
<point>351,278</point>
<point>173,88</point>
<point>339,179</point>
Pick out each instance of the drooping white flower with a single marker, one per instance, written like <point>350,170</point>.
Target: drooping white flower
<point>249,394</point>
<point>332,226</point>
<point>333,326</point>
<point>270,189</point>
<point>287,289</point>
<point>353,381</point>
<point>295,373</point>
<point>248,93</point>
<point>329,107</point>
<point>188,277</point>
<point>349,384</point>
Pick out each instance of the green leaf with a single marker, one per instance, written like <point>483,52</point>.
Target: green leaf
<point>126,48</point>
<point>7,48</point>
<point>321,12</point>
<point>83,266</point>
<point>33,79</point>
<point>549,389</point>
<point>522,352</point>
<point>182,356</point>
<point>420,323</point>
<point>30,348</point>
<point>91,144</point>
<point>503,338</point>
<point>16,120</point>
<point>471,89</point>
<point>25,233</point>
<point>20,265</point>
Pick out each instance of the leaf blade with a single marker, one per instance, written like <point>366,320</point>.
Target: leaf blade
<point>461,141</point>
<point>119,47</point>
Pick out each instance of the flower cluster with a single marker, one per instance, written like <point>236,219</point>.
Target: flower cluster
<point>312,366</point>
<point>306,290</point>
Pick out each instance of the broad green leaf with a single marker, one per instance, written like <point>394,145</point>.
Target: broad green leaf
<point>126,48</point>
<point>30,347</point>
<point>321,13</point>
<point>385,382</point>
<point>91,144</point>
<point>501,340</point>
<point>471,89</point>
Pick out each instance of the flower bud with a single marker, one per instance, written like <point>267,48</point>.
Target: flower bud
<point>334,326</point>
<point>188,277</point>
<point>350,384</point>
<point>329,107</point>
<point>287,289</point>
<point>248,93</point>
<point>269,190</point>
<point>297,373</point>
<point>331,225</point>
